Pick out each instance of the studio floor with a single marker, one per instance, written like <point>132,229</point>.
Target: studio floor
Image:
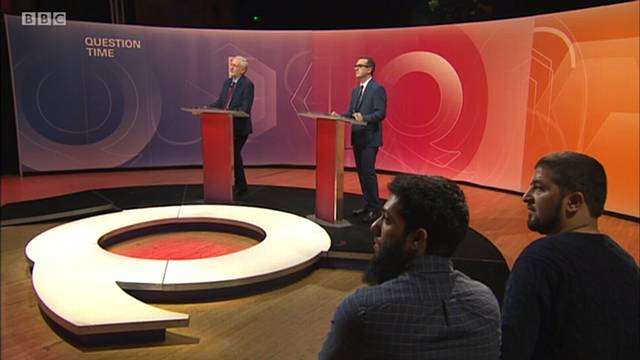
<point>289,322</point>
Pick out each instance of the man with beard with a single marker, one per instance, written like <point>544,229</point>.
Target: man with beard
<point>418,306</point>
<point>573,294</point>
<point>237,94</point>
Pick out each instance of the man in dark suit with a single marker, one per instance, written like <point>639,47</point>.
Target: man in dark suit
<point>368,106</point>
<point>237,94</point>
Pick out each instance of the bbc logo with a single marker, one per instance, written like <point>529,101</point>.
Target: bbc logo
<point>44,18</point>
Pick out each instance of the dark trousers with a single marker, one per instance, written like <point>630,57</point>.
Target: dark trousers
<point>366,166</point>
<point>238,167</point>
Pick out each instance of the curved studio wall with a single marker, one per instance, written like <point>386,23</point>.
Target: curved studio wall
<point>478,102</point>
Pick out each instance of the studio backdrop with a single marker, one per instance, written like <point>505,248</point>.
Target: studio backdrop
<point>477,102</point>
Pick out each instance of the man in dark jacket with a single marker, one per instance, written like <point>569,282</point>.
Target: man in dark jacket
<point>237,94</point>
<point>368,106</point>
<point>573,294</point>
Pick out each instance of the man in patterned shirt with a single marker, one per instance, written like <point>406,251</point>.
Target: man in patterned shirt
<point>418,306</point>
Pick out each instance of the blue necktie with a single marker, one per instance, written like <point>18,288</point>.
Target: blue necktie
<point>359,102</point>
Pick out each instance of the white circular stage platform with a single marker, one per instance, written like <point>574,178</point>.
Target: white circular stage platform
<point>80,285</point>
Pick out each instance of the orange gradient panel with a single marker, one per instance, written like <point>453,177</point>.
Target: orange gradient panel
<point>583,95</point>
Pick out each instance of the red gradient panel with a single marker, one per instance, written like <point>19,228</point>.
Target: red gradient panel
<point>412,108</point>
<point>217,157</point>
<point>329,166</point>
<point>437,93</point>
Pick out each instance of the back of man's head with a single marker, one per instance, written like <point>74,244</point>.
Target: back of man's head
<point>575,172</point>
<point>435,204</point>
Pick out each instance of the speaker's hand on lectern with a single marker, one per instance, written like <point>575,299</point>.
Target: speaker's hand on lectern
<point>358,116</point>
<point>333,113</point>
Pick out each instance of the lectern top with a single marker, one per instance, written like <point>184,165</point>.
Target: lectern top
<point>318,115</point>
<point>211,110</point>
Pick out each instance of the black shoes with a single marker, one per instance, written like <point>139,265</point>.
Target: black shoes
<point>241,191</point>
<point>359,211</point>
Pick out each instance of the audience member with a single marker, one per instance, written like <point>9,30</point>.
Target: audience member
<point>573,294</point>
<point>417,306</point>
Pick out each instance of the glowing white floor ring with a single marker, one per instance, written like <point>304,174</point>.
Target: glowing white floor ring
<point>80,285</point>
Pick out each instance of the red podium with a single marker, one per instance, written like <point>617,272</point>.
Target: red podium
<point>217,152</point>
<point>329,168</point>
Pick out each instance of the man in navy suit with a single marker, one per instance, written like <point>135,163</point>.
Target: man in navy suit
<point>237,94</point>
<point>368,107</point>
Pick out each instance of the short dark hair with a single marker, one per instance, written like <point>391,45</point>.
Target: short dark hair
<point>370,62</point>
<point>435,204</point>
<point>575,172</point>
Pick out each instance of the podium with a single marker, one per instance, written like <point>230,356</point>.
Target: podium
<point>329,168</point>
<point>217,152</point>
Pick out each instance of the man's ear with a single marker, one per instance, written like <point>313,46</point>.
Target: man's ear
<point>575,201</point>
<point>417,245</point>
